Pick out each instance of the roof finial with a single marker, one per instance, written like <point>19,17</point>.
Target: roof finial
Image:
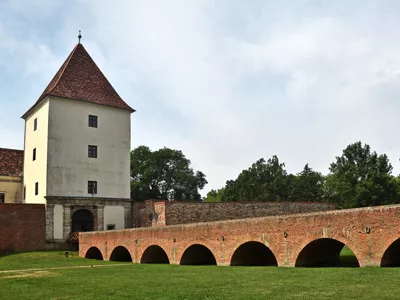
<point>79,37</point>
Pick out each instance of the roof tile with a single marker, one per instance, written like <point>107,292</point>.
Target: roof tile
<point>11,162</point>
<point>80,78</point>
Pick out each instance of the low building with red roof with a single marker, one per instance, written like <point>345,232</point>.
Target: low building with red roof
<point>11,169</point>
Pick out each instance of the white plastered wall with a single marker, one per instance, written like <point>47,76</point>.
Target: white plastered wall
<point>35,171</point>
<point>11,186</point>
<point>69,167</point>
<point>114,215</point>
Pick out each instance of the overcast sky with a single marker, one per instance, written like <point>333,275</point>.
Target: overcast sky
<point>225,81</point>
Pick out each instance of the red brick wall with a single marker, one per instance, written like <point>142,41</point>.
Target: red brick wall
<point>162,213</point>
<point>150,213</point>
<point>286,236</point>
<point>22,227</point>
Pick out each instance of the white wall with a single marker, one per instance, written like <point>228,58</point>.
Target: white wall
<point>35,171</point>
<point>69,167</point>
<point>114,215</point>
<point>58,222</point>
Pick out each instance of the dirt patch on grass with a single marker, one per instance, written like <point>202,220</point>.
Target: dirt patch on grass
<point>33,274</point>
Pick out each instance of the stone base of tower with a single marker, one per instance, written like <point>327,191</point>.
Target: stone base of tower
<point>67,216</point>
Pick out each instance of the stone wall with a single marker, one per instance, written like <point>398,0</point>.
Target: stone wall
<point>153,213</point>
<point>22,227</point>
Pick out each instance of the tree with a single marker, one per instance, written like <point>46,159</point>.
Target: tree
<point>164,174</point>
<point>361,178</point>
<point>307,186</point>
<point>263,181</point>
<point>215,195</point>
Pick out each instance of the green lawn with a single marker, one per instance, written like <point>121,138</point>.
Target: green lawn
<point>347,258</point>
<point>44,259</point>
<point>130,281</point>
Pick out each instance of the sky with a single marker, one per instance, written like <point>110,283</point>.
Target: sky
<point>226,81</point>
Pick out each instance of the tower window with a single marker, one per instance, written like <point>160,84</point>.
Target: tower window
<point>92,187</point>
<point>35,124</point>
<point>34,154</point>
<point>36,188</point>
<point>92,151</point>
<point>92,121</point>
<point>2,197</point>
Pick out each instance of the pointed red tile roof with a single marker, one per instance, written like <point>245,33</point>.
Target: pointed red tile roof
<point>11,162</point>
<point>80,78</point>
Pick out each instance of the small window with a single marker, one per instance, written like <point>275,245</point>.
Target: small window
<point>2,198</point>
<point>36,188</point>
<point>92,121</point>
<point>35,124</point>
<point>92,151</point>
<point>92,187</point>
<point>110,226</point>
<point>24,192</point>
<point>34,154</point>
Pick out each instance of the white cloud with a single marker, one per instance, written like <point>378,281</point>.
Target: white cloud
<point>229,82</point>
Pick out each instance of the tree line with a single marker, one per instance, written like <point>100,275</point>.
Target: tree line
<point>358,178</point>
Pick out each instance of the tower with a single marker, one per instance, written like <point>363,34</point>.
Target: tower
<point>77,151</point>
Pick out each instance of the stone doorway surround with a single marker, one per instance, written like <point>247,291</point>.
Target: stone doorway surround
<point>58,232</point>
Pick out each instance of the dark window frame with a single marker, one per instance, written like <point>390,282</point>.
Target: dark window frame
<point>92,151</point>
<point>2,197</point>
<point>34,154</point>
<point>93,121</point>
<point>35,124</point>
<point>92,187</point>
<point>36,188</point>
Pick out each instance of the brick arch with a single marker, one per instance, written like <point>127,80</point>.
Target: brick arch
<point>94,253</point>
<point>121,253</point>
<point>334,237</point>
<point>180,247</point>
<point>270,240</point>
<point>142,245</point>
<point>154,254</point>
<point>198,254</point>
<point>253,253</point>
<point>389,245</point>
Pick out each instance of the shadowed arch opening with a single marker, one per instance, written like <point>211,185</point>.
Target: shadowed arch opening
<point>391,257</point>
<point>81,221</point>
<point>120,254</point>
<point>198,255</point>
<point>94,253</point>
<point>154,255</point>
<point>326,253</point>
<point>253,254</point>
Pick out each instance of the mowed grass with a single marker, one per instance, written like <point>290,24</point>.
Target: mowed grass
<point>347,258</point>
<point>135,281</point>
<point>45,259</point>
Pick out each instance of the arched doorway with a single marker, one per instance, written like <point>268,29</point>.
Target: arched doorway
<point>82,220</point>
<point>94,253</point>
<point>198,255</point>
<point>253,254</point>
<point>391,257</point>
<point>154,255</point>
<point>326,252</point>
<point>120,254</point>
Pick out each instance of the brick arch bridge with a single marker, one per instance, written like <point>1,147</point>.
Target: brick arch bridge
<point>309,239</point>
